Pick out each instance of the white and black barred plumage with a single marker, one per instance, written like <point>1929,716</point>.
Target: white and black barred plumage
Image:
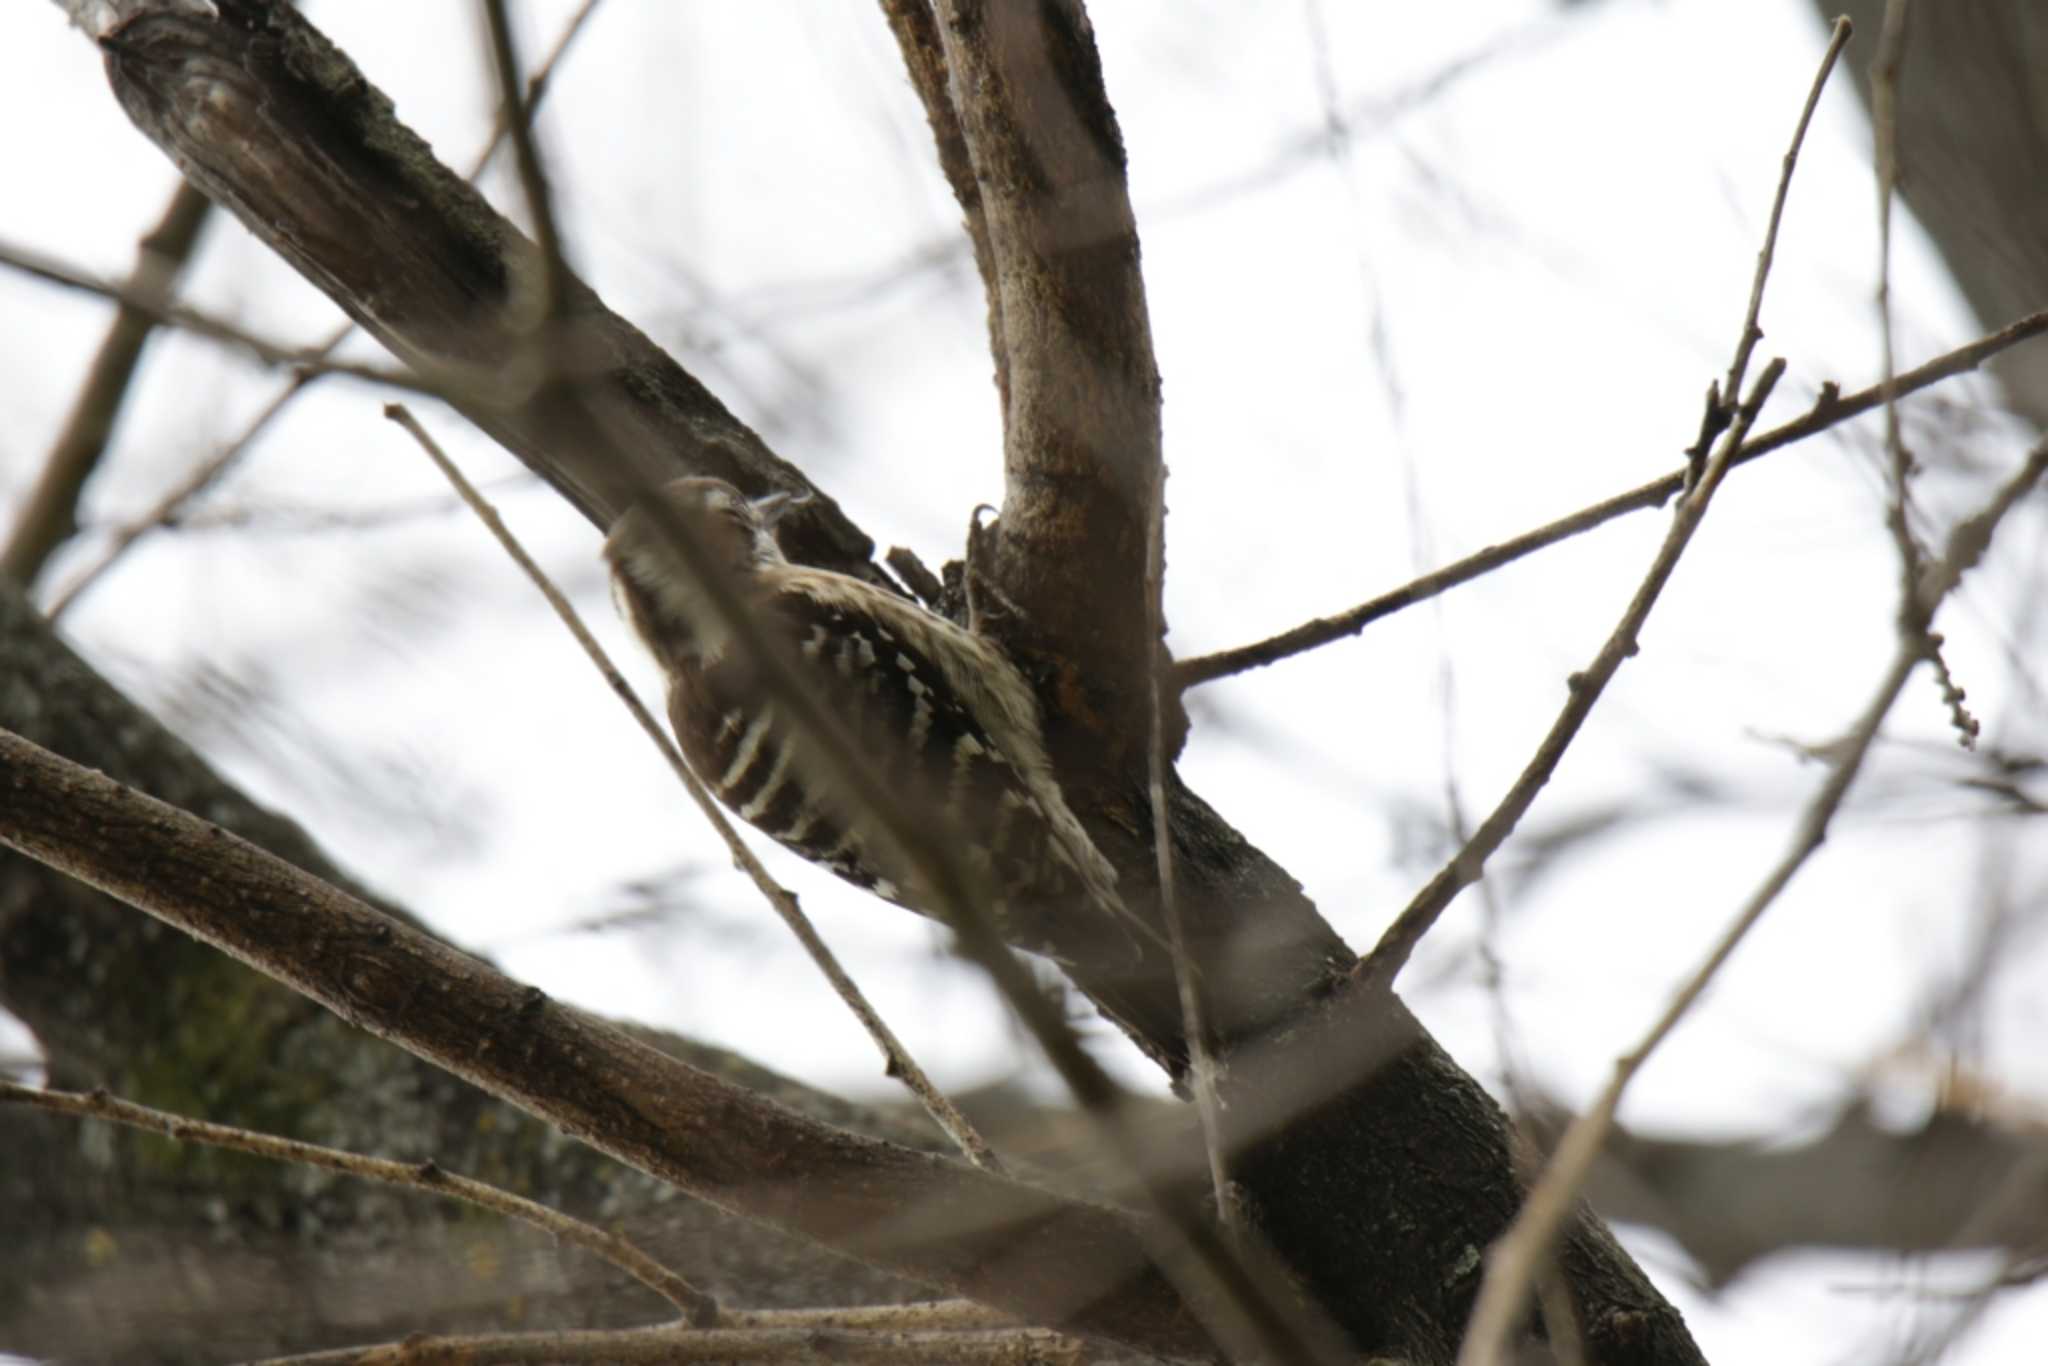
<point>942,718</point>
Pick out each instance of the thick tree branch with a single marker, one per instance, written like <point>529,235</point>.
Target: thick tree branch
<point>211,1037</point>
<point>270,120</point>
<point>1048,1260</point>
<point>1081,428</point>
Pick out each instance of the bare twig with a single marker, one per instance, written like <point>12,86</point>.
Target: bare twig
<point>517,120</point>
<point>1202,1060</point>
<point>1752,333</point>
<point>935,1331</point>
<point>201,324</point>
<point>1831,409</point>
<point>883,1336</point>
<point>1378,968</point>
<point>698,1308</point>
<point>801,1344</point>
<point>919,1316</point>
<point>900,1063</point>
<point>536,86</point>
<point>1899,462</point>
<point>1884,87</point>
<point>1700,480</point>
<point>49,514</point>
<point>1367,118</point>
<point>1523,1248</point>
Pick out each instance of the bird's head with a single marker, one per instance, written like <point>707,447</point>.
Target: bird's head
<point>737,532</point>
<point>653,583</point>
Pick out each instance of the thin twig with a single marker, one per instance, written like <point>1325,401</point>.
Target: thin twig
<point>293,518</point>
<point>1378,969</point>
<point>1202,1061</point>
<point>900,1063</point>
<point>698,1308</point>
<point>990,1347</point>
<point>1380,966</point>
<point>920,1316</point>
<point>929,1330</point>
<point>1830,409</point>
<point>1884,86</point>
<point>1752,333</point>
<point>1523,1248</point>
<point>214,329</point>
<point>536,86</point>
<point>1900,466</point>
<point>517,119</point>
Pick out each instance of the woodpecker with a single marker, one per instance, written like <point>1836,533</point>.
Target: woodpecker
<point>941,717</point>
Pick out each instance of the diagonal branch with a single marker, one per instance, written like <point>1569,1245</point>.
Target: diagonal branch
<point>1020,1249</point>
<point>516,118</point>
<point>1378,969</point>
<point>50,513</point>
<point>1752,332</point>
<point>274,123</point>
<point>209,471</point>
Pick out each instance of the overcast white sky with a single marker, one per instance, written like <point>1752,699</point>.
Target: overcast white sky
<point>1491,305</point>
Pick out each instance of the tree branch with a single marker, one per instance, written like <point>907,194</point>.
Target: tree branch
<point>50,513</point>
<point>210,1035</point>
<point>1081,429</point>
<point>274,123</point>
<point>207,472</point>
<point>1048,1260</point>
